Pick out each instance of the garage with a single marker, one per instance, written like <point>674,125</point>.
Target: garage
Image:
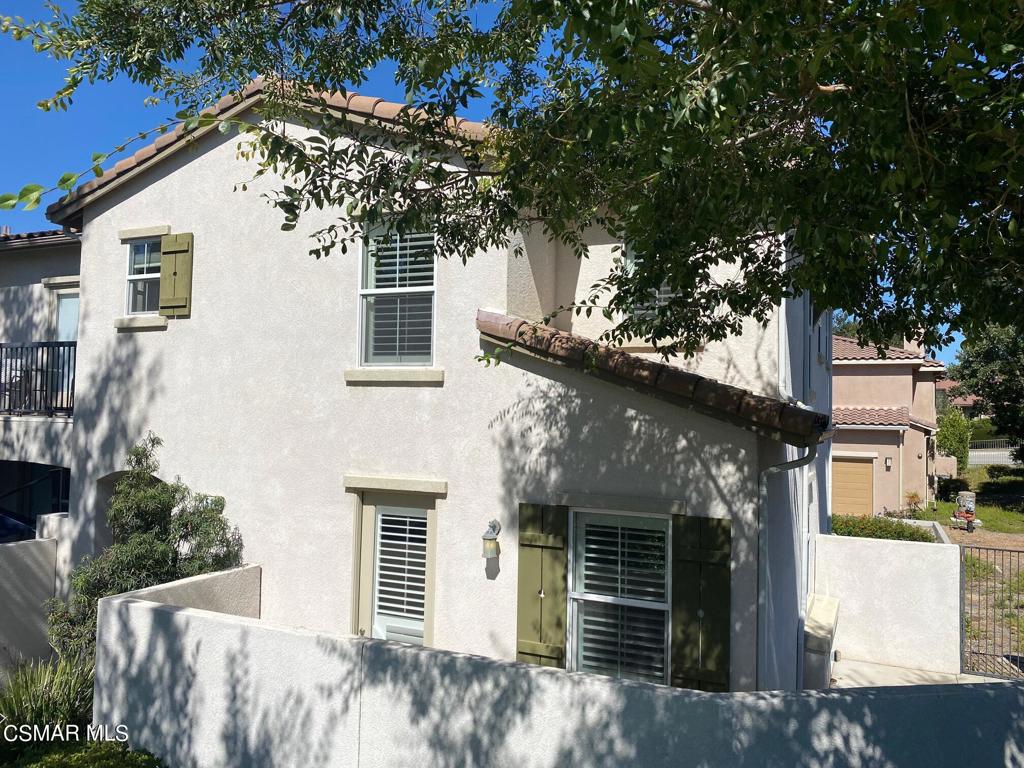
<point>852,487</point>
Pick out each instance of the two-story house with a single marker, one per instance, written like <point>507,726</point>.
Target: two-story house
<point>655,520</point>
<point>883,453</point>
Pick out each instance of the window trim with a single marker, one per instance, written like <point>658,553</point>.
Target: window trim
<point>574,597</point>
<point>629,261</point>
<point>365,544</point>
<point>130,278</point>
<point>361,324</point>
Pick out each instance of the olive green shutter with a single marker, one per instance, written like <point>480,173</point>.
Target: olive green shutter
<point>543,584</point>
<point>701,552</point>
<point>176,275</point>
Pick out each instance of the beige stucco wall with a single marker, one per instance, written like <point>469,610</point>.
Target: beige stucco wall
<point>250,398</point>
<point>27,571</point>
<point>899,601</point>
<point>199,688</point>
<point>28,309</point>
<point>872,386</point>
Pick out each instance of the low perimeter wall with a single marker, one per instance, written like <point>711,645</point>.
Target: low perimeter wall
<point>27,580</point>
<point>899,601</point>
<point>207,689</point>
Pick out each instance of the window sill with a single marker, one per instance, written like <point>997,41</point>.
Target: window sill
<point>384,377</point>
<point>141,323</point>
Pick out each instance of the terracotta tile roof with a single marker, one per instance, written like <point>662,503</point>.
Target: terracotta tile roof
<point>39,239</point>
<point>777,418</point>
<point>871,417</point>
<point>963,401</point>
<point>845,348</point>
<point>367,107</point>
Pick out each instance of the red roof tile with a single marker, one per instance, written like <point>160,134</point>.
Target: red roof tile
<point>352,103</point>
<point>871,417</point>
<point>37,239</point>
<point>778,418</point>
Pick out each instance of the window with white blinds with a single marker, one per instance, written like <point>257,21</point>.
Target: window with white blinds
<point>397,294</point>
<point>659,297</point>
<point>400,574</point>
<point>620,596</point>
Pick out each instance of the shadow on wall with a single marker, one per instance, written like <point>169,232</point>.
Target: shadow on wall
<point>26,306</point>
<point>203,691</point>
<point>112,391</point>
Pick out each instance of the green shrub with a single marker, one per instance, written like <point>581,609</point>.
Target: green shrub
<point>949,487</point>
<point>878,528</point>
<point>93,754</point>
<point>161,531</point>
<point>42,692</point>
<point>999,471</point>
<point>954,436</point>
<point>982,428</point>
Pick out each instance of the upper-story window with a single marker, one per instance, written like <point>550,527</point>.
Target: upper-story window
<point>143,292</point>
<point>397,298</point>
<point>660,297</point>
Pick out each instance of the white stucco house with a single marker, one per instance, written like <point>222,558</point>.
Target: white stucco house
<point>657,520</point>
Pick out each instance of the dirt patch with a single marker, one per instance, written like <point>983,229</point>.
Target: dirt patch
<point>983,538</point>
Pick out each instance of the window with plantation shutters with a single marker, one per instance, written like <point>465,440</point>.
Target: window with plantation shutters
<point>660,296</point>
<point>397,295</point>
<point>620,596</point>
<point>400,574</point>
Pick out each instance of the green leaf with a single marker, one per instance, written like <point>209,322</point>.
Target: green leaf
<point>8,201</point>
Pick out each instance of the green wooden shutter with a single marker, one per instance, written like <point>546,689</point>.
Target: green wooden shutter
<point>176,275</point>
<point>701,553</point>
<point>543,584</point>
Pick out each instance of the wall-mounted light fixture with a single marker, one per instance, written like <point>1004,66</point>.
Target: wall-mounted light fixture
<point>888,462</point>
<point>491,548</point>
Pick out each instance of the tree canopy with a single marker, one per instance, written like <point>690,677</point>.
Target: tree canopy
<point>869,153</point>
<point>990,365</point>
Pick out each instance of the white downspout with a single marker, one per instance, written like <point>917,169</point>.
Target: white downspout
<point>762,556</point>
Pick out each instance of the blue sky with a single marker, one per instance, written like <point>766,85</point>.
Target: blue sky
<point>40,146</point>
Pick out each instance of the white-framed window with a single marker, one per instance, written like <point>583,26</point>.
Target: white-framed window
<point>142,296</point>
<point>659,298</point>
<point>620,595</point>
<point>399,574</point>
<point>396,294</point>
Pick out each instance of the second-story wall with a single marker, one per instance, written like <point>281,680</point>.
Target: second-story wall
<point>28,308</point>
<point>871,384</point>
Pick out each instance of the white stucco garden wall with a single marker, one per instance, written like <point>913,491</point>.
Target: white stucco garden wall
<point>199,688</point>
<point>250,398</point>
<point>27,573</point>
<point>899,601</point>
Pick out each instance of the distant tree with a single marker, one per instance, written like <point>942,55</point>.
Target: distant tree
<point>869,154</point>
<point>991,367</point>
<point>954,436</point>
<point>162,532</point>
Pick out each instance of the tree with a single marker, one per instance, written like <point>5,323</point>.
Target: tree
<point>990,365</point>
<point>954,436</point>
<point>161,531</point>
<point>867,153</point>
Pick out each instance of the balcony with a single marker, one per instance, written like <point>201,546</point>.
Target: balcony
<point>37,378</point>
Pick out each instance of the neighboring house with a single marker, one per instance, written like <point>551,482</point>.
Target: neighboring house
<point>656,523</point>
<point>884,414</point>
<point>966,403</point>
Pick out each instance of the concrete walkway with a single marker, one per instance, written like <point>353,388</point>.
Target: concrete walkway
<point>849,673</point>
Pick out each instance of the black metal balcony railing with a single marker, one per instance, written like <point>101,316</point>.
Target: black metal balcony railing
<point>37,378</point>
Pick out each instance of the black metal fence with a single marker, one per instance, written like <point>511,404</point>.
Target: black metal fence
<point>37,378</point>
<point>993,611</point>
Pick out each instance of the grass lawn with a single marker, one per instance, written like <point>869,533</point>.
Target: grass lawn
<point>1000,501</point>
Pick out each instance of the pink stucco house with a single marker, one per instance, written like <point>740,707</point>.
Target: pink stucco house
<point>884,412</point>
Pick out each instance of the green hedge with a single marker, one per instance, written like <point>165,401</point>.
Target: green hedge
<point>949,487</point>
<point>878,528</point>
<point>92,754</point>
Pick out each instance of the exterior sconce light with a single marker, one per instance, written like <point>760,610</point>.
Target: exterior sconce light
<point>888,462</point>
<point>491,548</point>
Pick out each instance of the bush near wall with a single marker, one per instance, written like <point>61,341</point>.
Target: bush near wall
<point>95,754</point>
<point>954,436</point>
<point>949,487</point>
<point>878,528</point>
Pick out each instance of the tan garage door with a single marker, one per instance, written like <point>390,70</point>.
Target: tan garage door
<point>852,487</point>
